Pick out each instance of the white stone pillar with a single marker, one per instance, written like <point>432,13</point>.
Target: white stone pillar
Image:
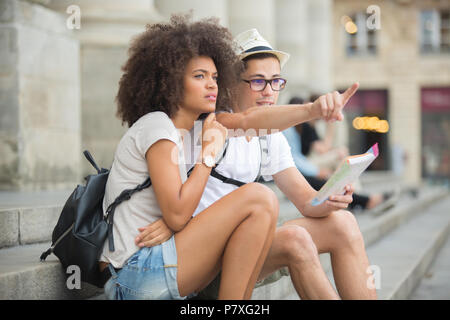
<point>248,14</point>
<point>320,45</point>
<point>200,9</point>
<point>292,30</point>
<point>39,99</point>
<point>106,29</point>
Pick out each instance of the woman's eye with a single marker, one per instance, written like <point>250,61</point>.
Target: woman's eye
<point>199,76</point>
<point>216,78</point>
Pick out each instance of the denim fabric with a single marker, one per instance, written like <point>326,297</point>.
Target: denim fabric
<point>149,274</point>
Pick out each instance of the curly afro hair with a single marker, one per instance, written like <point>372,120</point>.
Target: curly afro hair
<point>153,74</point>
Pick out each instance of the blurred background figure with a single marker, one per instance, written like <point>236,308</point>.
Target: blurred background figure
<point>321,151</point>
<point>317,171</point>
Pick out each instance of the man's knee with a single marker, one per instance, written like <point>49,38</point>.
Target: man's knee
<point>346,229</point>
<point>296,244</point>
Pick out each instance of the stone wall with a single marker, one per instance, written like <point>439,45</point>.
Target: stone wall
<point>40,99</point>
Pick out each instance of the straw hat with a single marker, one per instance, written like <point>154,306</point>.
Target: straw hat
<point>251,42</point>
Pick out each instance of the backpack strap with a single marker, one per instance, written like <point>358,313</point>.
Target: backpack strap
<point>263,145</point>
<point>224,152</point>
<point>224,179</point>
<point>90,158</point>
<point>124,195</point>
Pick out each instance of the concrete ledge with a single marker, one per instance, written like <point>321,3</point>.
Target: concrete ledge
<point>23,276</point>
<point>414,245</point>
<point>398,215</point>
<point>9,228</point>
<point>27,225</point>
<point>418,270</point>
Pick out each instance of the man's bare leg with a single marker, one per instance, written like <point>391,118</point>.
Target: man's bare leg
<point>293,247</point>
<point>339,235</point>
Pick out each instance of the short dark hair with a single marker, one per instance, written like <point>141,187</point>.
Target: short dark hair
<point>259,56</point>
<point>154,72</point>
<point>296,100</point>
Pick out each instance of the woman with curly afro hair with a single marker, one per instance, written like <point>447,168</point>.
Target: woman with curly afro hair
<point>176,72</point>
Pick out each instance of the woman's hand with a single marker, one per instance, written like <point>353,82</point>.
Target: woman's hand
<point>329,106</point>
<point>213,136</point>
<point>337,202</point>
<point>153,234</point>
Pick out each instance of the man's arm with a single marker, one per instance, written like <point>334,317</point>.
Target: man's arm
<point>270,119</point>
<point>292,183</point>
<point>282,117</point>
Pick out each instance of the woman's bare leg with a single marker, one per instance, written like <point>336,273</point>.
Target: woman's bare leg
<point>238,229</point>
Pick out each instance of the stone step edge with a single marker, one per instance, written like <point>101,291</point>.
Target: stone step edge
<point>370,234</point>
<point>411,279</point>
<point>388,222</point>
<point>429,200</point>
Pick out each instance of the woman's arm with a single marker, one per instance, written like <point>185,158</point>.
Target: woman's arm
<point>178,200</point>
<point>279,118</point>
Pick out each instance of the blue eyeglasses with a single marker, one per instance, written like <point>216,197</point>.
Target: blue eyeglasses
<point>276,84</point>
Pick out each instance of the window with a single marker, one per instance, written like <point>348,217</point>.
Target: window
<point>361,41</point>
<point>435,31</point>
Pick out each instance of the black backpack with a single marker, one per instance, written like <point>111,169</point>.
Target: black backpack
<point>82,228</point>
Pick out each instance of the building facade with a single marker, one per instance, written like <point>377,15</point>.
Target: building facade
<point>403,66</point>
<point>61,62</point>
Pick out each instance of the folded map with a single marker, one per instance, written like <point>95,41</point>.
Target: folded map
<point>347,172</point>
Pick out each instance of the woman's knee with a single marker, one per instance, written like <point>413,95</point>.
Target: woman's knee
<point>346,228</point>
<point>296,244</point>
<point>263,199</point>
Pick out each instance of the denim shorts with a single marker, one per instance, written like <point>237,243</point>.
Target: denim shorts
<point>149,274</point>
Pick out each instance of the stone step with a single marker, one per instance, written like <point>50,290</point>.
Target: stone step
<point>29,217</point>
<point>23,276</point>
<point>435,284</point>
<point>373,228</point>
<point>403,256</point>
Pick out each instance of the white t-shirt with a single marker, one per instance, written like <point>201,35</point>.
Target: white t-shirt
<point>128,170</point>
<point>242,162</point>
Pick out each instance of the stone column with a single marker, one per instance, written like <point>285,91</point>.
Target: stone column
<point>320,46</point>
<point>200,9</point>
<point>39,99</point>
<point>259,14</point>
<point>292,30</point>
<point>106,29</point>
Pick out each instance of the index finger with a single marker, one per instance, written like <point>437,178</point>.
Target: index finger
<point>349,92</point>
